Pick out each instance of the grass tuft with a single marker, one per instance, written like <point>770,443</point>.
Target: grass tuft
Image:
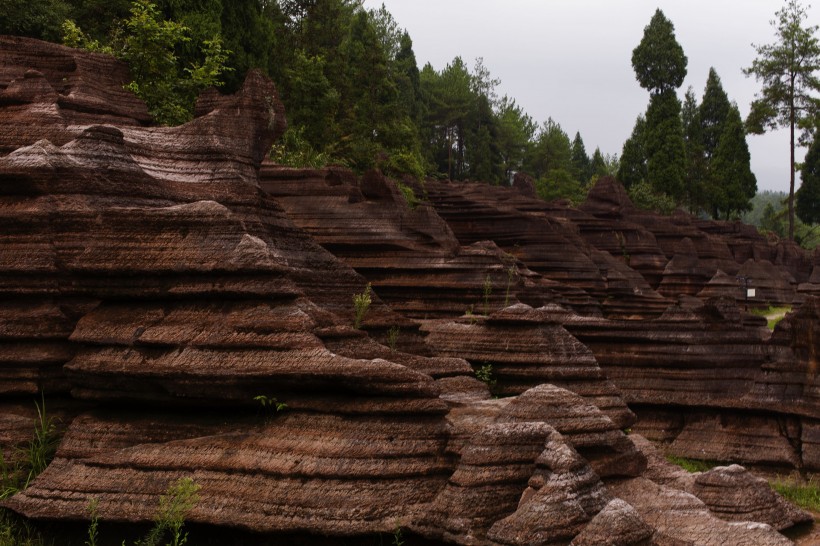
<point>692,465</point>
<point>805,495</point>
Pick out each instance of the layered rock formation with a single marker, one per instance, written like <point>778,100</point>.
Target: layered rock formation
<point>188,310</point>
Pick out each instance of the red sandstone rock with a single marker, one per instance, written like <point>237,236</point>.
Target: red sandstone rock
<point>174,280</point>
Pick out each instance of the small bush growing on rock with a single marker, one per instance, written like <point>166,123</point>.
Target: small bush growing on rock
<point>270,404</point>
<point>488,291</point>
<point>174,505</point>
<point>409,195</point>
<point>361,303</point>
<point>485,374</point>
<point>393,337</point>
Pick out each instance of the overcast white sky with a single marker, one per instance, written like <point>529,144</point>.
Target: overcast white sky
<point>571,59</point>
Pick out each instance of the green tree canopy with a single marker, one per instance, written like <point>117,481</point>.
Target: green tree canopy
<point>713,113</point>
<point>665,148</point>
<point>632,169</point>
<point>696,162</point>
<point>659,62</point>
<point>733,183</point>
<point>581,165</point>
<point>808,196</point>
<point>149,43</point>
<point>788,70</point>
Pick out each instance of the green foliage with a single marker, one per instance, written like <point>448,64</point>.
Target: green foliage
<point>712,114</point>
<point>773,314</point>
<point>732,182</point>
<point>393,337</point>
<point>33,458</point>
<point>665,147</point>
<point>180,498</point>
<point>645,197</point>
<point>270,403</point>
<point>485,374</point>
<point>582,168</point>
<point>361,303</point>
<point>696,163</point>
<point>512,274</point>
<point>515,134</point>
<point>787,70</point>
<point>487,292</point>
<point>73,36</point>
<point>402,162</point>
<point>93,504</point>
<point>805,494</point>
<point>409,195</point>
<point>293,150</point>
<point>807,205</point>
<point>15,531</point>
<point>770,214</point>
<point>398,536</point>
<point>692,465</point>
<point>149,45</point>
<point>659,62</point>
<point>34,18</point>
<point>632,169</point>
<point>560,184</point>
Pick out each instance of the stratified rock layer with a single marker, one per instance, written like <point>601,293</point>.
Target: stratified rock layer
<point>193,310</point>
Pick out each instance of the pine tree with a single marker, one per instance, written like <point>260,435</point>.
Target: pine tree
<point>713,112</point>
<point>733,181</point>
<point>787,69</point>
<point>696,163</point>
<point>581,167</point>
<point>597,166</point>
<point>660,67</point>
<point>659,62</point>
<point>632,169</point>
<point>808,196</point>
<point>665,148</point>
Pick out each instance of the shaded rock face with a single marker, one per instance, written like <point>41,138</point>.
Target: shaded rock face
<point>159,283</point>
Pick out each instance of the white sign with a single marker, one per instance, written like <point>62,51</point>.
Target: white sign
<point>750,292</point>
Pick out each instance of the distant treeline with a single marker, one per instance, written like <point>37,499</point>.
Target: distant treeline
<point>352,88</point>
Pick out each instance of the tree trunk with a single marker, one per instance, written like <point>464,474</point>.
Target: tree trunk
<point>791,165</point>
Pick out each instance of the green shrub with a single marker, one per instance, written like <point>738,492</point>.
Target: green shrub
<point>485,374</point>
<point>149,45</point>
<point>645,197</point>
<point>174,505</point>
<point>293,150</point>
<point>393,337</point>
<point>692,465</point>
<point>361,303</point>
<point>409,195</point>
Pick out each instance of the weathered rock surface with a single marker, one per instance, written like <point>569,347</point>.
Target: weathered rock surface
<point>192,308</point>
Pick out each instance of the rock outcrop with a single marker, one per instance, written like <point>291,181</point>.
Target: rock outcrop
<point>186,308</point>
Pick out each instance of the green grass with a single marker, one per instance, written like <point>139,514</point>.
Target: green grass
<point>805,495</point>
<point>15,531</point>
<point>773,314</point>
<point>692,465</point>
